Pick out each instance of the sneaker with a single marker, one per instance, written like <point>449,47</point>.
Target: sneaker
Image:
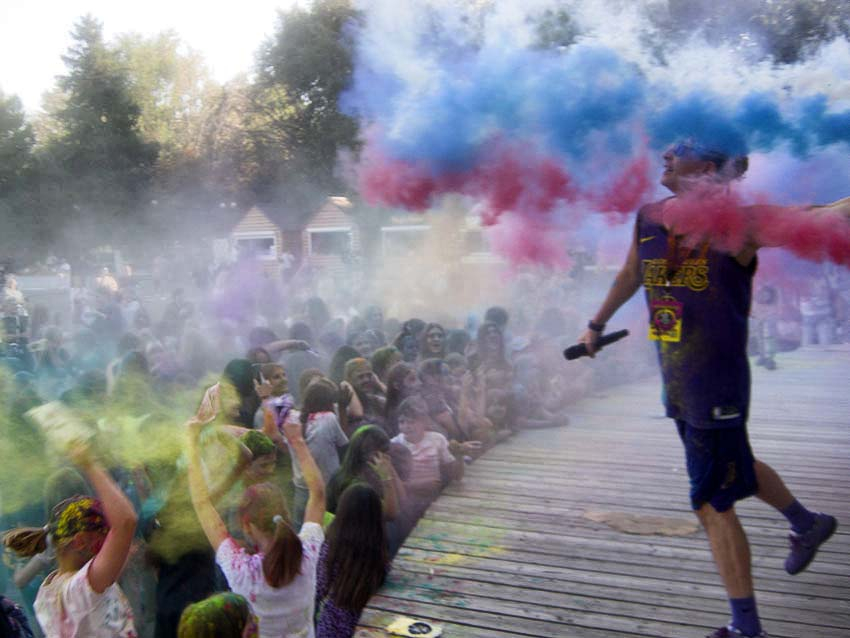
<point>804,546</point>
<point>730,632</point>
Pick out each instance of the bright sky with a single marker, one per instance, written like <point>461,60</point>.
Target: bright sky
<point>35,33</point>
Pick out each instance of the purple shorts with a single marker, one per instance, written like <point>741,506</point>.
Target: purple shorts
<point>721,465</point>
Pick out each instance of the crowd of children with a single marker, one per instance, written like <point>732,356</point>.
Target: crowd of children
<point>268,500</point>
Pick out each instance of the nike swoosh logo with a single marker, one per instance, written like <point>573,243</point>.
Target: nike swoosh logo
<point>643,240</point>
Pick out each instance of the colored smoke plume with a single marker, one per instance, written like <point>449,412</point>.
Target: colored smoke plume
<point>462,100</point>
<point>720,217</point>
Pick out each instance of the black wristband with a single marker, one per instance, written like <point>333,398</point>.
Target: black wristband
<point>596,327</point>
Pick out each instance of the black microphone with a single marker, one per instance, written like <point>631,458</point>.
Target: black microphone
<point>580,349</point>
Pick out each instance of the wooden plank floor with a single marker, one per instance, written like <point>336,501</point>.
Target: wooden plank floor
<point>515,551</point>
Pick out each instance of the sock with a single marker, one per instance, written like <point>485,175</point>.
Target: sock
<point>800,518</point>
<point>745,616</point>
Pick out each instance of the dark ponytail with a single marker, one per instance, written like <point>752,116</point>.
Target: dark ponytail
<point>26,541</point>
<point>264,506</point>
<point>319,396</point>
<point>282,563</point>
<point>357,560</point>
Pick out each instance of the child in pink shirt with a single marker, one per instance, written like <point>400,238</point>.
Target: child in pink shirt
<point>431,456</point>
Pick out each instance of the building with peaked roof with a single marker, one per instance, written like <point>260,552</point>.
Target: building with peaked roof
<point>340,238</point>
<point>266,237</point>
<point>332,236</point>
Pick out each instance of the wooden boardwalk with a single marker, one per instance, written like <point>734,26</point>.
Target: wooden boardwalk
<point>521,547</point>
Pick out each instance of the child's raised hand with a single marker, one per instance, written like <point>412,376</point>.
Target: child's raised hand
<point>80,454</point>
<point>269,426</point>
<point>346,393</point>
<point>210,404</point>
<point>382,465</point>
<point>194,426</point>
<point>264,389</point>
<point>292,431</point>
<point>471,446</point>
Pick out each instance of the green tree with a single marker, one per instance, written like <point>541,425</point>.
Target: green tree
<point>783,30</point>
<point>99,161</point>
<point>555,28</point>
<point>16,144</point>
<point>171,86</point>
<point>179,105</point>
<point>20,219</point>
<point>790,29</point>
<point>296,128</point>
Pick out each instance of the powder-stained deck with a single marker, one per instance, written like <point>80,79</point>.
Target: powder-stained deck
<point>512,551</point>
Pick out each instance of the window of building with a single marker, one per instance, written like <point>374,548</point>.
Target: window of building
<point>402,241</point>
<point>257,246</point>
<point>330,242</point>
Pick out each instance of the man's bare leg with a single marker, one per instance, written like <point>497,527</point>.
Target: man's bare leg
<point>731,552</point>
<point>730,549</point>
<point>771,488</point>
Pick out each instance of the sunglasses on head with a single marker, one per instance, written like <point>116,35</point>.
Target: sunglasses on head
<point>684,149</point>
<point>689,150</point>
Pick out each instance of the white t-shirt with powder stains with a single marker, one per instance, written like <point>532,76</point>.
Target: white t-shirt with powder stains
<point>283,612</point>
<point>67,607</point>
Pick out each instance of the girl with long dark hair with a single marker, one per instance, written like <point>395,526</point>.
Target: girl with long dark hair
<point>432,342</point>
<point>353,563</point>
<point>367,460</point>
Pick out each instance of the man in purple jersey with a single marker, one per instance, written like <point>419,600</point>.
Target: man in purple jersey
<point>699,303</point>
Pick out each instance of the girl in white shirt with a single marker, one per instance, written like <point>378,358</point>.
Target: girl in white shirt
<point>92,540</point>
<point>279,579</point>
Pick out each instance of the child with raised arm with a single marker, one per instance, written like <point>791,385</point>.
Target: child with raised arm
<point>280,578</point>
<point>324,437</point>
<point>92,539</point>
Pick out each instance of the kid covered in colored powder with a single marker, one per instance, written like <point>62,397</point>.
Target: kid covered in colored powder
<point>224,615</point>
<point>353,564</point>
<point>279,578</point>
<point>92,539</point>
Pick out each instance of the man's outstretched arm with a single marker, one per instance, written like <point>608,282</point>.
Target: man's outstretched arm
<point>778,226</point>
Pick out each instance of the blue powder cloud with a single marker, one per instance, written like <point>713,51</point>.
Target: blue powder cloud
<point>589,90</point>
<point>574,103</point>
<point>557,99</point>
<point>826,128</point>
<point>759,117</point>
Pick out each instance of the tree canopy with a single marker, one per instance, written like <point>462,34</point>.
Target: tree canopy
<point>16,143</point>
<point>301,71</point>
<point>98,166</point>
